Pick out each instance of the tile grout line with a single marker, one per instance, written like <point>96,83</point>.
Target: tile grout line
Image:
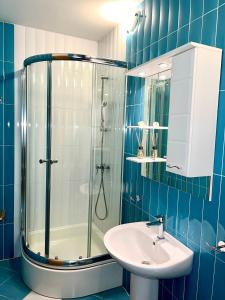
<point>3,139</point>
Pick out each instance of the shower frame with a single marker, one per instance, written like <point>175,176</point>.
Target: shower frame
<point>36,258</point>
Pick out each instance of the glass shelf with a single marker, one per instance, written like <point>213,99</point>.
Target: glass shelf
<point>145,160</point>
<point>149,127</point>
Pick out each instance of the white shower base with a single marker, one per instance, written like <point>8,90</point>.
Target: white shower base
<point>68,242</point>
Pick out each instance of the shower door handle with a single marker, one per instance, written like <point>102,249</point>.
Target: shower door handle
<point>53,161</point>
<point>41,161</point>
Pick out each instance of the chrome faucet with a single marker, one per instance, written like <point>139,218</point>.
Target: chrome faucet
<point>160,221</point>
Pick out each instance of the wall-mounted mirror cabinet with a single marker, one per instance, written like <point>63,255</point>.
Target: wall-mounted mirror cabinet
<point>180,112</point>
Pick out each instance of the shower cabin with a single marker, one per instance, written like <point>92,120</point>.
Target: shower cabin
<point>72,142</point>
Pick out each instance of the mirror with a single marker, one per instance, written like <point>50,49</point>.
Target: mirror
<point>156,109</point>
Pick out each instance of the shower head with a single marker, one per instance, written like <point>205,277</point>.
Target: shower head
<point>104,78</point>
<point>104,104</point>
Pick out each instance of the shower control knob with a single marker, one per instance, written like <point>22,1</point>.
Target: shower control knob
<point>53,161</point>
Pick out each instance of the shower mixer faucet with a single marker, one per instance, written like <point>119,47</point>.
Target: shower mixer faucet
<point>102,167</point>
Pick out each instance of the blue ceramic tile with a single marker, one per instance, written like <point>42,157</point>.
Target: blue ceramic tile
<point>210,216</point>
<point>220,42</point>
<point>171,41</point>
<point>1,241</point>
<point>5,275</point>
<point>140,32</point>
<point>191,281</point>
<point>8,125</point>
<point>167,295</point>
<point>221,219</point>
<point>178,287</point>
<point>148,21</point>
<point>184,12</point>
<point>154,198</point>
<point>220,39</point>
<point>8,165</point>
<point>219,134</point>
<point>164,18</point>
<point>155,21</point>
<point>162,206</point>
<point>146,54</point>
<point>139,58</point>
<point>1,79</point>
<point>168,285</point>
<point>1,41</point>
<point>8,42</point>
<point>154,50</point>
<point>182,37</point>
<point>183,214</point>
<point>209,28</point>
<point>209,5</point>
<point>9,203</point>
<point>14,288</point>
<point>196,9</point>
<point>221,2</point>
<point>222,76</point>
<point>1,199</point>
<point>173,15</point>
<point>162,46</point>
<point>1,165</point>
<point>125,212</point>
<point>146,196</point>
<point>8,241</point>
<point>195,219</point>
<point>134,43</point>
<point>172,209</point>
<point>196,31</point>
<point>219,286</point>
<point>1,124</point>
<point>205,277</point>
<point>9,83</point>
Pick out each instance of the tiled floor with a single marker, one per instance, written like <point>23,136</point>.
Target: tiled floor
<point>13,288</point>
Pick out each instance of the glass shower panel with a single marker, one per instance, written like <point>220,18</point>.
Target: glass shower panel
<point>36,108</point>
<point>107,145</point>
<point>70,146</point>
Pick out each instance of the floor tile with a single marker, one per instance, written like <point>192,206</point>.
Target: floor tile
<point>14,288</point>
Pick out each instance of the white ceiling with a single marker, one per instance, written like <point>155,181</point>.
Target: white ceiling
<point>81,18</point>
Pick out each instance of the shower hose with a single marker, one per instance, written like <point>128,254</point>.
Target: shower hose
<point>102,166</point>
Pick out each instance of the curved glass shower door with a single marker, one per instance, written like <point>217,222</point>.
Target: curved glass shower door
<point>36,147</point>
<point>71,108</point>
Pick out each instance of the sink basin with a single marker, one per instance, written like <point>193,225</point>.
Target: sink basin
<point>137,248</point>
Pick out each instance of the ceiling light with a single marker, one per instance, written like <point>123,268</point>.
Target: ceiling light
<point>142,74</point>
<point>162,77</point>
<point>121,12</point>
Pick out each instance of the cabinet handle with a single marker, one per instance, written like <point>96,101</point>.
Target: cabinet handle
<point>172,167</point>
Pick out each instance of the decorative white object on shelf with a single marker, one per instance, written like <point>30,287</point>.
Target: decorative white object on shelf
<point>145,160</point>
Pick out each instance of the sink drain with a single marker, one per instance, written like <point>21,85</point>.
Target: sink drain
<point>146,262</point>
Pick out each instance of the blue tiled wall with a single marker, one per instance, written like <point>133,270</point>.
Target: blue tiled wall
<point>7,139</point>
<point>193,220</point>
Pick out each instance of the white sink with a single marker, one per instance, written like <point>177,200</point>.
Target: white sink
<point>136,247</point>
